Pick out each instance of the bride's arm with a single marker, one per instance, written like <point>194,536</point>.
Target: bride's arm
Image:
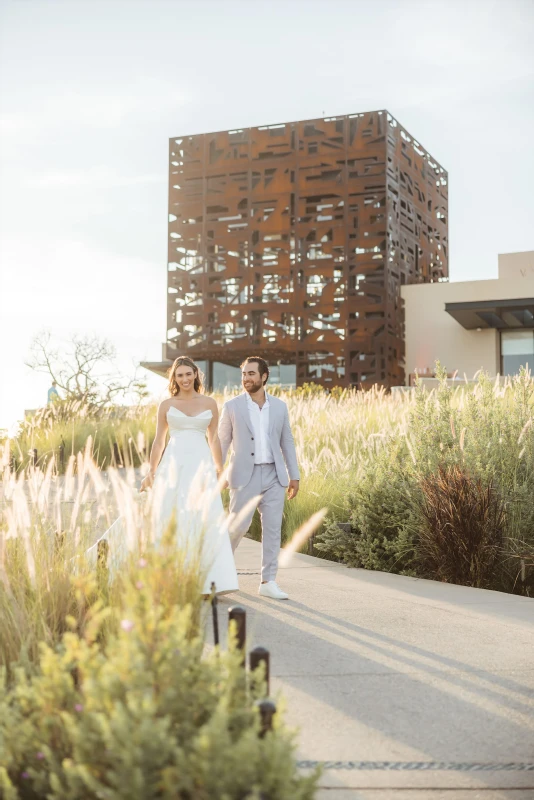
<point>158,446</point>
<point>213,440</point>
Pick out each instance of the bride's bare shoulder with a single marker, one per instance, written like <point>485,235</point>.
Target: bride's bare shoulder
<point>165,405</point>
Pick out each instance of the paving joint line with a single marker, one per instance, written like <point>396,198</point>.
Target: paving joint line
<point>451,671</point>
<point>428,766</point>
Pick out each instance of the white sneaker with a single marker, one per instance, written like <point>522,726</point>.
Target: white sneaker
<point>271,589</point>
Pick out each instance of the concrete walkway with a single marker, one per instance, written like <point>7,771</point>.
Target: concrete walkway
<point>434,681</point>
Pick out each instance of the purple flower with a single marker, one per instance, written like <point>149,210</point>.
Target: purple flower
<point>78,707</point>
<point>142,562</point>
<point>127,625</point>
<point>25,775</point>
<point>40,755</point>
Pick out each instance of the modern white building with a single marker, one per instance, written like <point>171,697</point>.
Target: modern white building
<point>472,325</point>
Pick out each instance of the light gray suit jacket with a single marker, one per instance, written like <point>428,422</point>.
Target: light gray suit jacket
<point>235,428</point>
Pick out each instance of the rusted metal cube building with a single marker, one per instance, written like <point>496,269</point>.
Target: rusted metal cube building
<point>291,241</point>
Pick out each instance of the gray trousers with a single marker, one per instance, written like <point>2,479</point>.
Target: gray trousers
<point>265,485</point>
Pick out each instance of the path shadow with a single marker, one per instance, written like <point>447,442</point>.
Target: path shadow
<point>402,706</point>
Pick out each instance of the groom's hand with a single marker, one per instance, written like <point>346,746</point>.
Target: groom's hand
<point>223,484</point>
<point>292,489</point>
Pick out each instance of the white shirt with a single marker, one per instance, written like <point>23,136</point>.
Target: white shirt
<point>259,418</point>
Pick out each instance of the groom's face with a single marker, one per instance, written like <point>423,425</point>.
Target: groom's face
<point>251,378</point>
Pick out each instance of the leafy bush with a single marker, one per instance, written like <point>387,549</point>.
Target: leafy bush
<point>337,544</point>
<point>127,704</point>
<point>381,511</point>
<point>148,715</point>
<point>461,536</point>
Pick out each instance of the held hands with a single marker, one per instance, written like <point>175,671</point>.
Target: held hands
<point>148,480</point>
<point>292,490</point>
<point>224,484</point>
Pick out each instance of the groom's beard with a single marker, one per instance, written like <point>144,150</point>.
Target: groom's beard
<point>252,388</point>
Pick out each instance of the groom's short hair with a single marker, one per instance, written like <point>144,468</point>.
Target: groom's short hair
<point>263,367</point>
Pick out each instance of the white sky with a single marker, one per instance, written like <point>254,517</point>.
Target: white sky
<point>91,92</point>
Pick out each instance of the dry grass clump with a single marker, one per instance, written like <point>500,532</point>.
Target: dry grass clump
<point>120,436</point>
<point>335,436</point>
<point>47,574</point>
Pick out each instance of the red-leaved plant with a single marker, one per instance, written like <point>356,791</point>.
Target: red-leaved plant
<point>461,536</point>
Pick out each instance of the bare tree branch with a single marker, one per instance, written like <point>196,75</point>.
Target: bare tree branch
<point>87,372</point>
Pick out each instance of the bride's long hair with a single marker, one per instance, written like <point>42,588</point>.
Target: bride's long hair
<point>184,361</point>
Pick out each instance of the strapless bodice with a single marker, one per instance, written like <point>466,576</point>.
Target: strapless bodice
<point>179,422</point>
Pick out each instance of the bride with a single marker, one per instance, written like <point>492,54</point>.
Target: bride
<point>184,479</point>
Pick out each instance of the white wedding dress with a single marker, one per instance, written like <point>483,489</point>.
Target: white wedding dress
<point>185,485</point>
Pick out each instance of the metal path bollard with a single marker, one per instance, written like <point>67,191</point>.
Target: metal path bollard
<point>102,551</point>
<point>215,614</point>
<point>117,455</point>
<point>239,616</point>
<point>267,712</point>
<point>260,656</point>
<point>34,456</point>
<point>102,572</point>
<point>59,543</point>
<point>62,456</point>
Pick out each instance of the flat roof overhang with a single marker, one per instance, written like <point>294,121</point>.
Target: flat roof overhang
<point>501,314</point>
<point>159,367</point>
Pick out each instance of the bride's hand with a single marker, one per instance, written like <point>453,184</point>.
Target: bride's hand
<point>148,480</point>
<point>224,485</point>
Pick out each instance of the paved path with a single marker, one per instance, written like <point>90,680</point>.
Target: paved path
<point>430,679</point>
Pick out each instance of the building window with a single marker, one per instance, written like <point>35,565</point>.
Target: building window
<point>517,350</point>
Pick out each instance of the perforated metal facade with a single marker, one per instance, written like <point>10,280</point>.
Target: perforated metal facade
<point>292,241</point>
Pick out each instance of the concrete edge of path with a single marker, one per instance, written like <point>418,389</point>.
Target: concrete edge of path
<point>515,607</point>
<point>425,779</point>
<point>473,793</point>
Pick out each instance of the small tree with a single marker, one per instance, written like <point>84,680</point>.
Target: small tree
<point>86,371</point>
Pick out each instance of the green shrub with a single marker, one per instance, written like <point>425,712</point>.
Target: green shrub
<point>336,544</point>
<point>142,712</point>
<point>380,514</point>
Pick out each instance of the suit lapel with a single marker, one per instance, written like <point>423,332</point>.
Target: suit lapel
<point>244,412</point>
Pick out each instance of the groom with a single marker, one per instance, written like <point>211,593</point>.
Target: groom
<point>257,426</point>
